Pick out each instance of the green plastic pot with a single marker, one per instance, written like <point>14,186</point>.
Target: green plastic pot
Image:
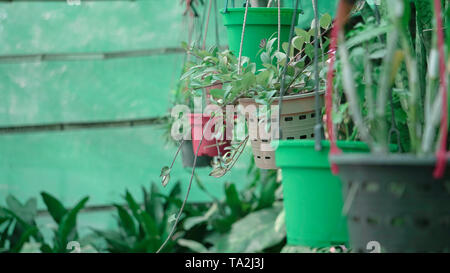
<point>261,24</point>
<point>312,194</point>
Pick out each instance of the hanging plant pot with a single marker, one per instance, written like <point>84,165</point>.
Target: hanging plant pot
<point>297,122</point>
<point>208,147</point>
<point>261,24</point>
<point>188,156</point>
<point>395,202</point>
<point>312,194</point>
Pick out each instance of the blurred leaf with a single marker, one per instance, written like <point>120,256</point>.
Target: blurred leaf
<point>253,233</point>
<point>54,207</point>
<point>68,223</point>
<point>26,212</point>
<point>232,199</point>
<point>165,175</point>
<point>192,245</point>
<point>325,21</point>
<point>25,236</point>
<point>126,221</point>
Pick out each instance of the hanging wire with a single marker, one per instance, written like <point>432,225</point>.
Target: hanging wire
<point>216,23</point>
<point>242,36</point>
<point>283,77</point>
<point>207,24</point>
<point>318,126</point>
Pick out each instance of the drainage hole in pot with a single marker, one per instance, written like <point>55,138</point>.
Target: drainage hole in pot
<point>303,137</point>
<point>290,138</point>
<point>265,140</point>
<point>302,117</point>
<point>313,115</point>
<point>397,188</point>
<point>312,135</point>
<point>258,157</point>
<point>371,187</point>
<point>422,222</point>
<point>372,221</point>
<point>398,221</point>
<point>267,157</point>
<point>288,119</point>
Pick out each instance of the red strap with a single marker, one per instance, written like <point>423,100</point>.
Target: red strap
<point>442,152</point>
<point>334,150</point>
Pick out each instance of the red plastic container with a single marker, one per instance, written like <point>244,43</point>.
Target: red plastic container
<point>209,146</point>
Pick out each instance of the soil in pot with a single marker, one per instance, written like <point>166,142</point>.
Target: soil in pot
<point>188,156</point>
<point>297,122</point>
<point>209,147</point>
<point>396,203</point>
<point>312,195</point>
<point>261,24</point>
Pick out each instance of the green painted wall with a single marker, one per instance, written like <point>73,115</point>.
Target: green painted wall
<point>101,163</point>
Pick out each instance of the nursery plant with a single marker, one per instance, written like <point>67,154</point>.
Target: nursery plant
<point>18,224</point>
<point>244,84</point>
<point>143,227</point>
<point>399,200</point>
<point>312,195</point>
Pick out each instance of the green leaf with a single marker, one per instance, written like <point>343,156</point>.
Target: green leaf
<point>298,42</point>
<point>25,237</point>
<point>54,207</point>
<point>192,245</point>
<point>149,225</point>
<point>325,21</point>
<point>144,219</point>
<point>232,199</point>
<point>217,93</point>
<point>126,221</point>
<point>265,58</point>
<point>68,223</point>
<point>309,50</point>
<point>367,35</point>
<point>302,33</point>
<point>267,197</point>
<point>26,212</point>
<point>115,242</point>
<point>253,233</point>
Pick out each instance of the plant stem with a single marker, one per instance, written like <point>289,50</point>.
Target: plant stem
<point>350,92</point>
<point>172,231</point>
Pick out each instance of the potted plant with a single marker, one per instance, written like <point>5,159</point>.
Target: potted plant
<point>312,196</point>
<point>181,96</point>
<point>298,112</point>
<point>400,201</point>
<point>260,23</point>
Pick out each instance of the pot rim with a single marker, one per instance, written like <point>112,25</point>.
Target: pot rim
<point>310,143</point>
<point>285,98</point>
<point>260,10</point>
<point>384,159</point>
